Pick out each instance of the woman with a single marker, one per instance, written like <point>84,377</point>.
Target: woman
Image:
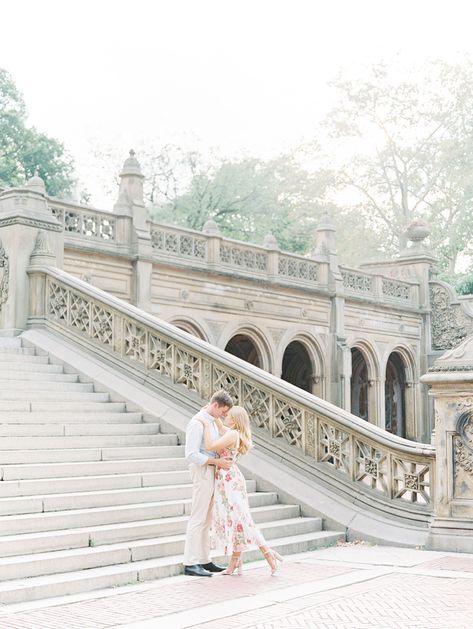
<point>233,527</point>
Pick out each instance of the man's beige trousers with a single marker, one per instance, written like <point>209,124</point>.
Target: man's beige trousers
<point>197,548</point>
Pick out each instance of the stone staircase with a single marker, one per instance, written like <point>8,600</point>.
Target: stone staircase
<point>92,493</point>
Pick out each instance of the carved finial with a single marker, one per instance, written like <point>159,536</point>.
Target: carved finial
<point>36,184</point>
<point>270,242</point>
<point>41,246</point>
<point>211,228</point>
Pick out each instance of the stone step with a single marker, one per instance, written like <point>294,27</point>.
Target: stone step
<point>153,535</point>
<point>45,503</point>
<point>8,457</point>
<point>88,441</point>
<point>86,557</point>
<point>27,376</point>
<point>37,487</point>
<point>89,429</point>
<point>34,588</point>
<point>64,406</point>
<point>58,417</point>
<point>7,367</point>
<point>7,342</point>
<point>7,358</point>
<point>95,536</point>
<point>31,385</point>
<point>8,351</point>
<point>79,518</point>
<point>6,393</point>
<point>160,467</point>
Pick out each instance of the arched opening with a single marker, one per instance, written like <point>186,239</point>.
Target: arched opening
<point>243,347</point>
<point>297,366</point>
<point>395,395</point>
<point>359,385</point>
<point>189,327</point>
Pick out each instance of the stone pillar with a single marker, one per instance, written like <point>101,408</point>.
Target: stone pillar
<point>214,238</point>
<point>325,253</point>
<point>272,246</point>
<point>131,203</point>
<point>23,213</point>
<point>451,382</point>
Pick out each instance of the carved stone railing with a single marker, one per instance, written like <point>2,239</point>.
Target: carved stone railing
<point>85,222</point>
<point>376,287</point>
<point>355,455</point>
<point>176,243</point>
<point>105,231</point>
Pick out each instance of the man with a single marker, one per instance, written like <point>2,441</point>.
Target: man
<point>202,466</point>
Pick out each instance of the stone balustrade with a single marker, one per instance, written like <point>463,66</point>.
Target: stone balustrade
<point>376,287</point>
<point>185,247</point>
<point>350,453</point>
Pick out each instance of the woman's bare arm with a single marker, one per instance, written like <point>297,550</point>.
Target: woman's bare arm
<point>228,440</point>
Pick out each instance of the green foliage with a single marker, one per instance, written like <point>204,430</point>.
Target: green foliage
<point>24,150</point>
<point>409,144</point>
<point>248,198</point>
<point>465,287</point>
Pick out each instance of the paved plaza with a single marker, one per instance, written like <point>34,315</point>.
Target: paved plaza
<point>350,586</point>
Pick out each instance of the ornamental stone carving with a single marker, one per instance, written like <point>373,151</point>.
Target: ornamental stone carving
<point>450,324</point>
<point>4,275</point>
<point>463,456</point>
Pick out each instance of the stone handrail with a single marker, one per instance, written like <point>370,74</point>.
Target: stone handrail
<point>355,455</point>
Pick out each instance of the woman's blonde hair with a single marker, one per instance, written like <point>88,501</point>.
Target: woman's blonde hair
<point>242,424</point>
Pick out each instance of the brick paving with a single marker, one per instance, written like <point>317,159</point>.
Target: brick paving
<point>396,601</point>
<point>308,593</point>
<point>182,594</point>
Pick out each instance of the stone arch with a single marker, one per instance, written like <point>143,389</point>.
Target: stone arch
<point>400,392</point>
<point>302,364</point>
<point>364,383</point>
<point>250,345</point>
<point>190,326</point>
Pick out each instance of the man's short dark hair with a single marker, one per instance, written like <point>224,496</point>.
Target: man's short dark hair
<point>222,398</point>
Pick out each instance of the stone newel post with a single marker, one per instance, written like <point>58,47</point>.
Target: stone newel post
<point>131,203</point>
<point>23,213</point>
<point>451,382</point>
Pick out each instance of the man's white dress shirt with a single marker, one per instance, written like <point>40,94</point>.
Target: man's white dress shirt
<point>195,448</point>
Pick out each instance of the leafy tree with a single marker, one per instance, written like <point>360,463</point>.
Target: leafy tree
<point>409,146</point>
<point>247,197</point>
<point>24,150</point>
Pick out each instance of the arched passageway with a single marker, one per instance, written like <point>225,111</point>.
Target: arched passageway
<point>189,327</point>
<point>359,385</point>
<point>243,347</point>
<point>297,366</point>
<point>395,395</point>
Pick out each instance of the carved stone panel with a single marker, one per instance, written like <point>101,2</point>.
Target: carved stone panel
<point>4,275</point>
<point>463,457</point>
<point>450,324</point>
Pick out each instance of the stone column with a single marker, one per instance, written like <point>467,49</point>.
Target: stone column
<point>131,203</point>
<point>451,382</point>
<point>23,213</point>
<point>325,253</point>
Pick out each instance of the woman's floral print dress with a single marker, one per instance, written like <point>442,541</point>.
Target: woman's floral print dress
<point>233,529</point>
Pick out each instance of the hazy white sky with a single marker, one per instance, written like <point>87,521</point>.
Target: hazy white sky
<point>240,75</point>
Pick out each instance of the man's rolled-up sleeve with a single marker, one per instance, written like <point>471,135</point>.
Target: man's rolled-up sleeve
<point>194,434</point>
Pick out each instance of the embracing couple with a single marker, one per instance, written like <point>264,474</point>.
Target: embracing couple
<point>215,438</point>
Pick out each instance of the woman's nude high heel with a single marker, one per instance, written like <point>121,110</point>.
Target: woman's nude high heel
<point>275,556</point>
<point>235,564</point>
